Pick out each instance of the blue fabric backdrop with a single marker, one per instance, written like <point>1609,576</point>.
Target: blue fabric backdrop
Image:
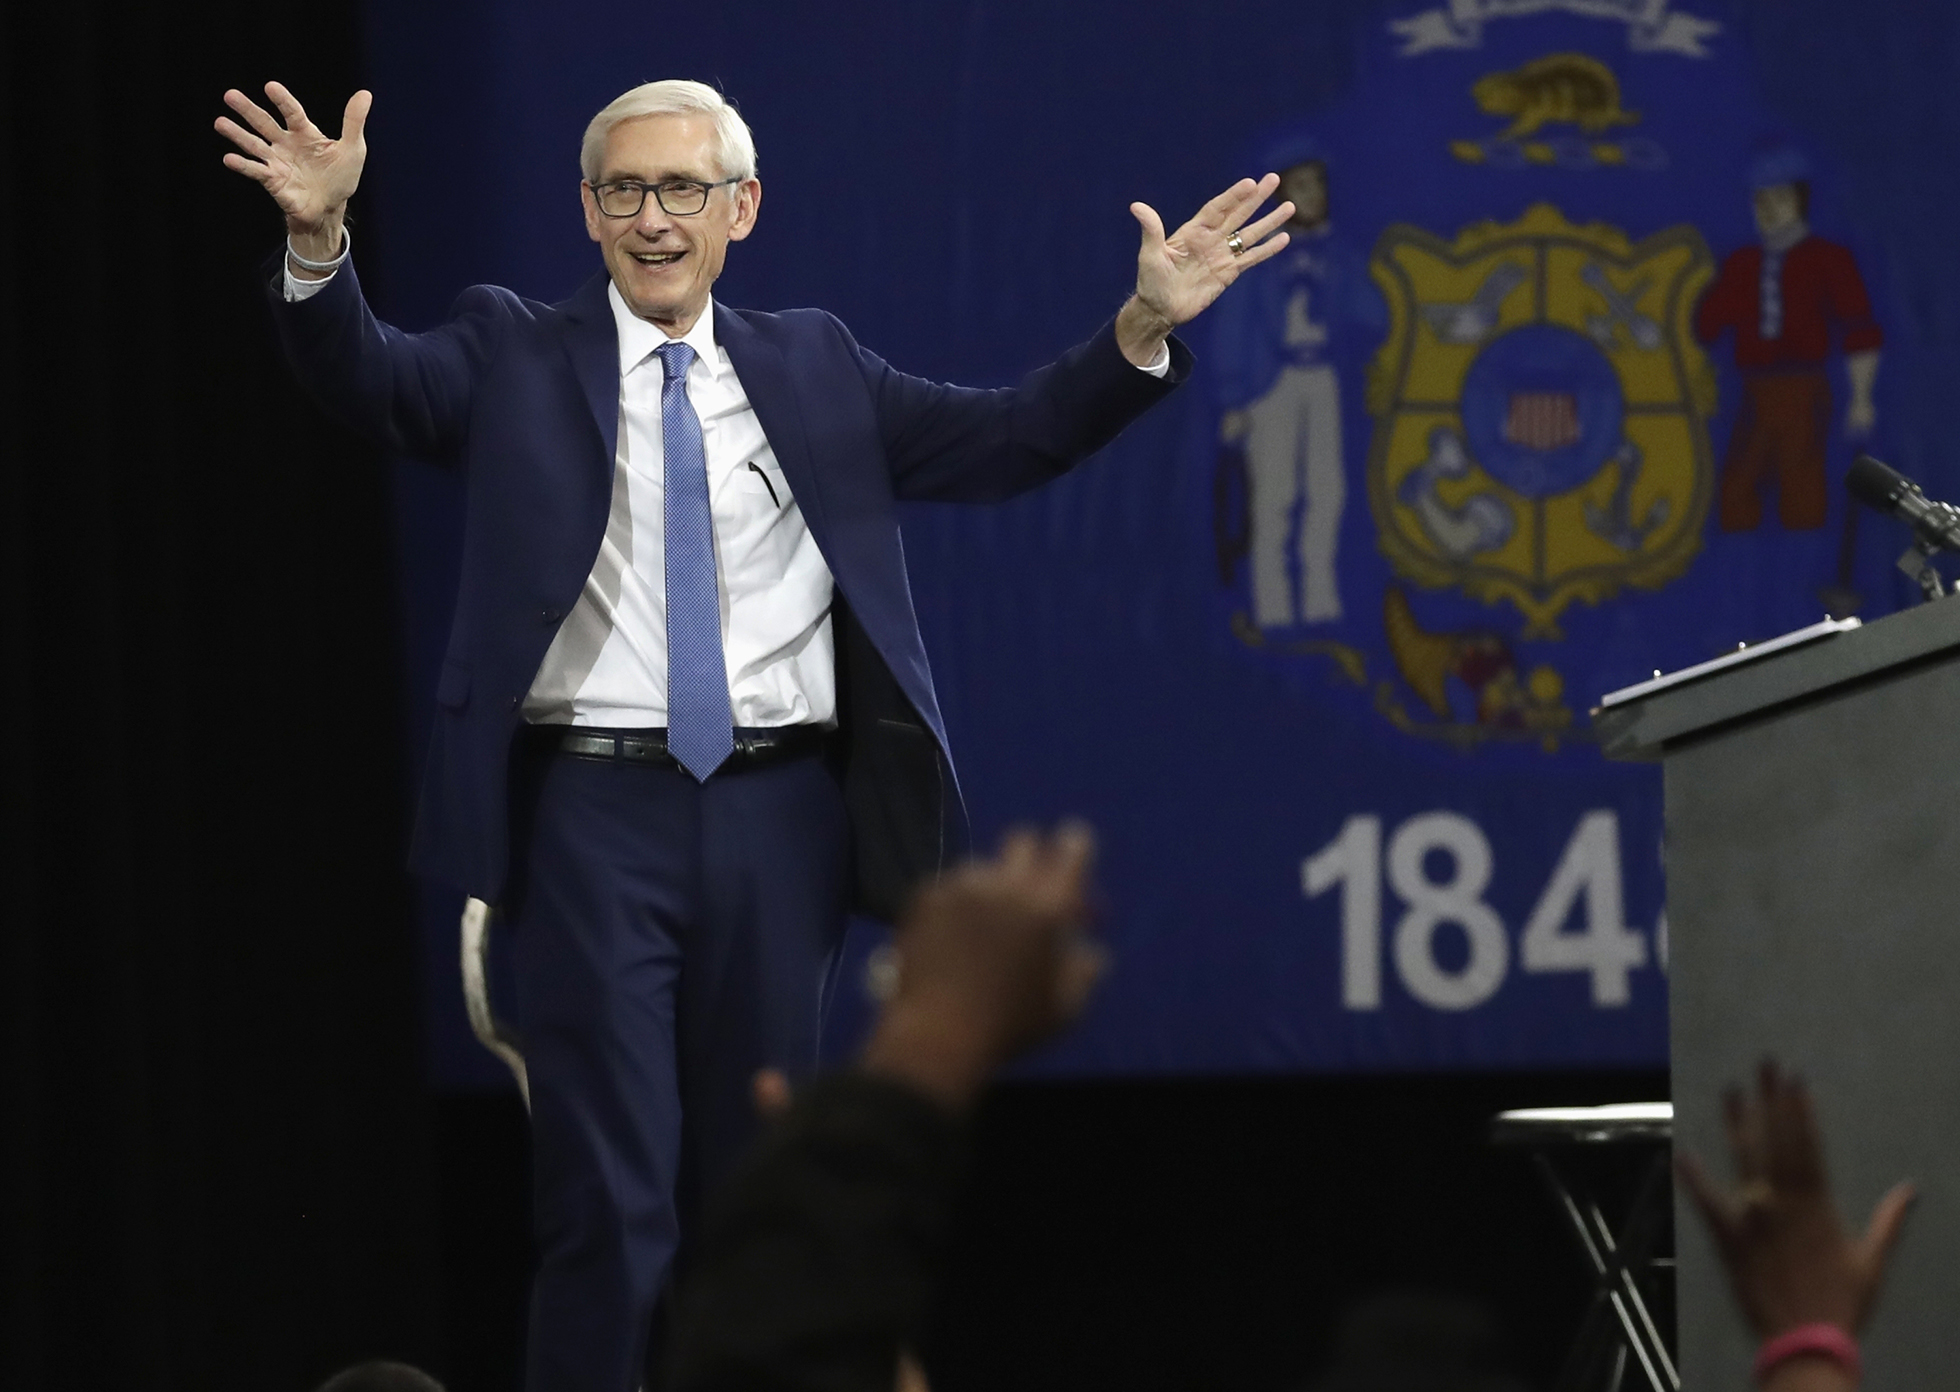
<point>1373,840</point>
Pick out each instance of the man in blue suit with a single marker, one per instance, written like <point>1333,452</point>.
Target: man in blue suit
<point>685,718</point>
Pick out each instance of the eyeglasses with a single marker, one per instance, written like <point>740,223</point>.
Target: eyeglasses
<point>677,197</point>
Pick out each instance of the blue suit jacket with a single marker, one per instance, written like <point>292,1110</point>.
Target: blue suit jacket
<point>525,397</point>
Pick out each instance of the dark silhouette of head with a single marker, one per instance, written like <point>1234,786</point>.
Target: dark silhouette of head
<point>1417,1342</point>
<point>381,1376</point>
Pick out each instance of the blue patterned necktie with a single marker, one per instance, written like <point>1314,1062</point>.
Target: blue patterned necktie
<point>700,722</point>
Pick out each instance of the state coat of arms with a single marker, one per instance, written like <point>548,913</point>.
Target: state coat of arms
<point>1541,411</point>
<point>1498,323</point>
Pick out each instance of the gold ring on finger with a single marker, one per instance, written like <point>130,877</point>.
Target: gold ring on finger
<point>1237,246</point>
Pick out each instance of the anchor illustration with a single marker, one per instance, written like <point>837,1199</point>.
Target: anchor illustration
<point>1613,523</point>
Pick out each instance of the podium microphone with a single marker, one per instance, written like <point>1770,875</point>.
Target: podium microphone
<point>1937,525</point>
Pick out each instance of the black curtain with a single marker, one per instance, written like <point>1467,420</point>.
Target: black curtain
<point>216,1139</point>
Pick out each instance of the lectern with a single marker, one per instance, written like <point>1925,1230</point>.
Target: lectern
<point>1813,903</point>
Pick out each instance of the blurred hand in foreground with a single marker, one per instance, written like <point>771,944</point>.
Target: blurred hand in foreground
<point>1789,1258</point>
<point>993,958</point>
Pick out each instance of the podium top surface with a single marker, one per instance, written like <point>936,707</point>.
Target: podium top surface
<point>1642,727</point>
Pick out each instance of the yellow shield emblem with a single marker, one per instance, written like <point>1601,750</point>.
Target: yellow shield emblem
<point>1541,411</point>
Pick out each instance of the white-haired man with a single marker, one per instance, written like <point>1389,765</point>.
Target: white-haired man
<point>685,718</point>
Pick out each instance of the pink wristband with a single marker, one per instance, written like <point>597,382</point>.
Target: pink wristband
<point>1822,1340</point>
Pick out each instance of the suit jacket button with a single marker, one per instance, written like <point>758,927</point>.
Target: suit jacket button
<point>550,616</point>
<point>516,701</point>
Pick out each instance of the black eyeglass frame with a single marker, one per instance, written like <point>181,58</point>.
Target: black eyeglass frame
<point>645,188</point>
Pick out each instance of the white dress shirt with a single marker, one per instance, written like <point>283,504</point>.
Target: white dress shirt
<point>607,666</point>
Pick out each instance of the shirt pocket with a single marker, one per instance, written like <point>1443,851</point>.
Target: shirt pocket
<point>763,479</point>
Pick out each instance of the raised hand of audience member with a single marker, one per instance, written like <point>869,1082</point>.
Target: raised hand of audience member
<point>993,958</point>
<point>820,1257</point>
<point>1790,1260</point>
<point>770,1091</point>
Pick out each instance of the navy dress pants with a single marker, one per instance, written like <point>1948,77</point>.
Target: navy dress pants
<point>671,938</point>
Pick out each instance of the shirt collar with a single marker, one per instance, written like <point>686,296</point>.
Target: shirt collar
<point>1783,238</point>
<point>638,338</point>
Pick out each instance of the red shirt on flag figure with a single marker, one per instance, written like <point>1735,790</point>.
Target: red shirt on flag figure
<point>1784,298</point>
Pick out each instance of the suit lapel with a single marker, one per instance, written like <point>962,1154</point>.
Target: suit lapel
<point>772,394</point>
<point>592,343</point>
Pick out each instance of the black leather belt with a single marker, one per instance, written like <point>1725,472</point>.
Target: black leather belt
<point>754,748</point>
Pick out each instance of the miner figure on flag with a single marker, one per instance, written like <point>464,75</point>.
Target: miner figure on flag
<point>1280,398</point>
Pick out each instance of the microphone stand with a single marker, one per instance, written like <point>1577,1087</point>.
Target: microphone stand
<point>1936,526</point>
<point>1918,563</point>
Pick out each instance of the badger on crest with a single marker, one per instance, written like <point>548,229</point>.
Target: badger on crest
<point>1558,87</point>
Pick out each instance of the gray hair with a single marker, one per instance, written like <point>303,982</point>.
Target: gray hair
<point>734,146</point>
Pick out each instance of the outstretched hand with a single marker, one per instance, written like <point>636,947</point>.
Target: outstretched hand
<point>309,175</point>
<point>1788,1256</point>
<point>1180,274</point>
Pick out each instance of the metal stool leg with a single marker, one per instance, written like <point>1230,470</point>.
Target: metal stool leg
<point>1618,1321</point>
<point>1631,1254</point>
